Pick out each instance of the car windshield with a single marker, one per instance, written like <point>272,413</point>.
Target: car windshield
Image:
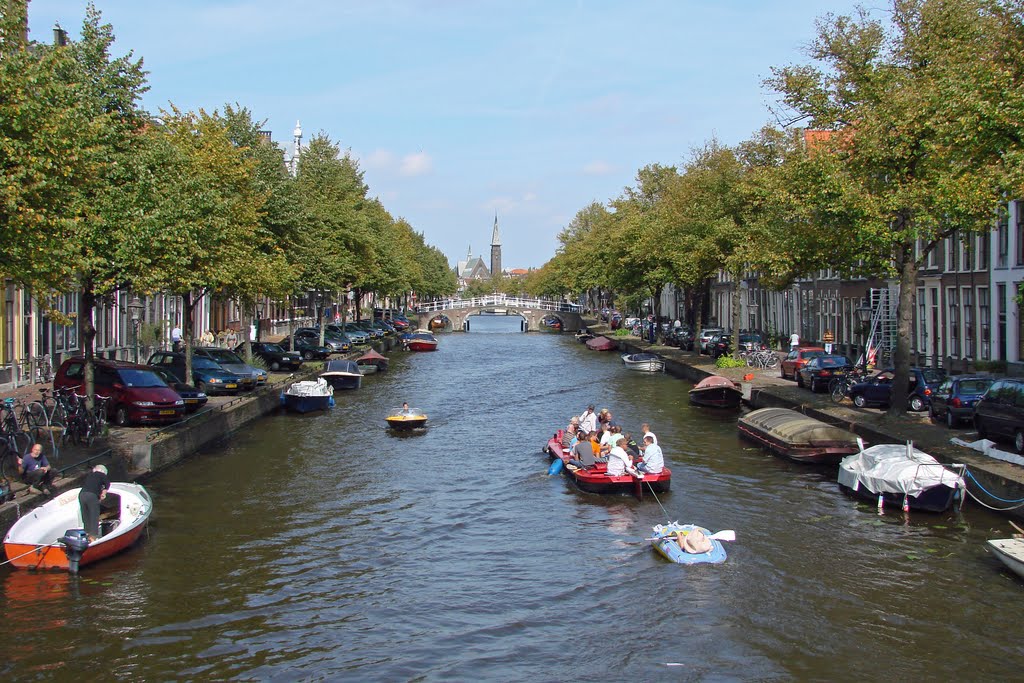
<point>141,378</point>
<point>933,376</point>
<point>273,348</point>
<point>975,386</point>
<point>224,356</point>
<point>750,337</point>
<point>832,361</point>
<point>204,363</point>
<point>812,354</point>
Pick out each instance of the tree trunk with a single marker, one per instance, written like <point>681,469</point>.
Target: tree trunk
<point>735,316</point>
<point>657,313</point>
<point>905,318</point>
<point>186,331</point>
<point>359,298</point>
<point>247,337</point>
<point>87,327</point>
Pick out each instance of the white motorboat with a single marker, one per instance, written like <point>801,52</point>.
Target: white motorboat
<point>902,476</point>
<point>645,362</point>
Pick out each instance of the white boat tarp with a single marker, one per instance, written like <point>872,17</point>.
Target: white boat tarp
<point>892,468</point>
<point>319,387</point>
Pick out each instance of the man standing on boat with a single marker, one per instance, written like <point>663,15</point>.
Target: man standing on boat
<point>588,420</point>
<point>94,489</point>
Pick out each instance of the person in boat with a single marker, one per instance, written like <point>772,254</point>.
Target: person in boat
<point>645,431</point>
<point>570,432</point>
<point>588,420</point>
<point>620,462</point>
<point>611,437</point>
<point>94,489</point>
<point>583,453</point>
<point>35,471</point>
<point>631,446</point>
<point>695,542</point>
<point>654,459</point>
<point>604,418</point>
<point>406,411</point>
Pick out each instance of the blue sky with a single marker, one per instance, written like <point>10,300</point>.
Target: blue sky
<point>458,108</point>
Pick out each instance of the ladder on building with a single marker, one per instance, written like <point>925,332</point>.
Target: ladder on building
<point>881,341</point>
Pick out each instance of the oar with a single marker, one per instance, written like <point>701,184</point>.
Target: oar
<point>724,535</point>
<point>1016,527</point>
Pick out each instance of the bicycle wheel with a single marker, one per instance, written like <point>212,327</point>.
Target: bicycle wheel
<point>837,388</point>
<point>8,461</point>
<point>772,361</point>
<point>37,416</point>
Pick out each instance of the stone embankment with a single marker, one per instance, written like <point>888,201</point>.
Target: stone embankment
<point>989,479</point>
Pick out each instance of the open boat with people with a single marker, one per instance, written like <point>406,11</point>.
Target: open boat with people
<point>405,420</point>
<point>597,480</point>
<point>689,543</point>
<point>716,392</point>
<point>1010,552</point>
<point>309,396</point>
<point>645,362</point>
<point>342,374</point>
<point>52,537</point>
<point>795,436</point>
<point>902,476</point>
<point>601,343</point>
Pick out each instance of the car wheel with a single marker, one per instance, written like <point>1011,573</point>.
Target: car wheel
<point>1018,441</point>
<point>859,401</point>
<point>916,404</point>
<point>121,416</point>
<point>799,380</point>
<point>950,420</point>
<point>203,387</point>
<point>275,366</point>
<point>814,386</point>
<point>308,355</point>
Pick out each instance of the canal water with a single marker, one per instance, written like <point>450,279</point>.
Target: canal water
<point>322,546</point>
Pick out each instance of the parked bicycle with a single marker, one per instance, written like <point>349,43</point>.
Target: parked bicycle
<point>760,358</point>
<point>839,388</point>
<point>83,425</point>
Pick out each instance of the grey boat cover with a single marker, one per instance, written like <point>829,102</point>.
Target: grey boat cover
<point>796,428</point>
<point>892,468</point>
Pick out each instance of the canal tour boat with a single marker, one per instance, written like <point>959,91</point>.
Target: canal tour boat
<point>644,362</point>
<point>342,374</point>
<point>309,396</point>
<point>597,480</point>
<point>52,537</point>
<point>403,421</point>
<point>795,436</point>
<point>601,344</point>
<point>716,392</point>
<point>420,340</point>
<point>1010,552</point>
<point>680,544</point>
<point>902,476</point>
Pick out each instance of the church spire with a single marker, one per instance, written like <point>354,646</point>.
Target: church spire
<point>495,237</point>
<point>495,249</point>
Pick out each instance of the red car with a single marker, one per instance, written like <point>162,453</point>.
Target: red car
<point>792,363</point>
<point>136,393</point>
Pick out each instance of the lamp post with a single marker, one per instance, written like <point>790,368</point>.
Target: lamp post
<point>259,314</point>
<point>864,318</point>
<point>135,308</point>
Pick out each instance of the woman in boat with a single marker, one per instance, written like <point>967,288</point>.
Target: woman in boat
<point>570,432</point>
<point>94,489</point>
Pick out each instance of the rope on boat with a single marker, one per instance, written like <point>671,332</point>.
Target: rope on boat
<point>34,550</point>
<point>1014,504</point>
<point>656,498</point>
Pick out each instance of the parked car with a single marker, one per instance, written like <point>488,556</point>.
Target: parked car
<point>337,342</point>
<point>817,372</point>
<point>273,355</point>
<point>681,337</point>
<point>705,337</point>
<point>136,393</point>
<point>752,341</point>
<point>798,358</point>
<point>999,415</point>
<point>366,326</point>
<point>207,376</point>
<point>193,398</point>
<point>252,376</point>
<point>308,346</point>
<point>720,345</point>
<point>356,335</point>
<point>877,391</point>
<point>399,323</point>
<point>955,398</point>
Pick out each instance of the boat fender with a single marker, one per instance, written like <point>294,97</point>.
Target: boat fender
<point>556,466</point>
<point>74,541</point>
<point>330,402</point>
<point>284,401</point>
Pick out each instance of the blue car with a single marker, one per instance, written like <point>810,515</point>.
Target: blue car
<point>955,398</point>
<point>877,391</point>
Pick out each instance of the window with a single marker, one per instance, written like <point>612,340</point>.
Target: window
<point>967,254</point>
<point>984,244</point>
<point>984,321</point>
<point>968,314</point>
<point>1002,237</point>
<point>1020,232</point>
<point>952,252</point>
<point>932,257</point>
<point>953,322</point>
<point>922,323</point>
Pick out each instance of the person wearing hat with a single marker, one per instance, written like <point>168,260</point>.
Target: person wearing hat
<point>588,420</point>
<point>94,489</point>
<point>695,542</point>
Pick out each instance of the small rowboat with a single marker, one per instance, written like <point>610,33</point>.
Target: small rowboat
<point>52,537</point>
<point>601,344</point>
<point>666,541</point>
<point>716,392</point>
<point>1010,552</point>
<point>645,362</point>
<point>796,436</point>
<point>405,421</point>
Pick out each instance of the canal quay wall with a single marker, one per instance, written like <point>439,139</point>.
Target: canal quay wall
<point>990,479</point>
<point>138,454</point>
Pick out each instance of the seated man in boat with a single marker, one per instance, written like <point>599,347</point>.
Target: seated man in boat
<point>645,431</point>
<point>36,471</point>
<point>94,489</point>
<point>588,420</point>
<point>405,410</point>
<point>654,459</point>
<point>583,453</point>
<point>620,462</point>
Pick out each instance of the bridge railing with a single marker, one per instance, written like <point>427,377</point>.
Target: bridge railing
<point>499,300</point>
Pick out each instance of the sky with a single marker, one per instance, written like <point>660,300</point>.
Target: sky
<point>458,110</point>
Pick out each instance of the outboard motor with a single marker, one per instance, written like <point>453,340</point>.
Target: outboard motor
<point>75,541</point>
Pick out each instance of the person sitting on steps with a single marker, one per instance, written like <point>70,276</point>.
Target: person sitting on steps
<point>35,471</point>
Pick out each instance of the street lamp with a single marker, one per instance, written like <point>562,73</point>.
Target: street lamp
<point>864,314</point>
<point>259,314</point>
<point>135,308</point>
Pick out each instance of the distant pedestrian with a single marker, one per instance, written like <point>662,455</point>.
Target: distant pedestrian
<point>176,338</point>
<point>794,341</point>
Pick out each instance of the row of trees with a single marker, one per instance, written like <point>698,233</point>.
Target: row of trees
<point>915,128</point>
<point>98,195</point>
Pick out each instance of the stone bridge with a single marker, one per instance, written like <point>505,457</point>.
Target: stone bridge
<point>531,311</point>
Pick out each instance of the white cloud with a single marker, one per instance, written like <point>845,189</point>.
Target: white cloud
<point>416,164</point>
<point>598,168</point>
<point>379,159</point>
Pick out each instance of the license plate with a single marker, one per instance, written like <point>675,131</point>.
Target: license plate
<point>191,400</point>
<point>230,386</point>
<point>167,412</point>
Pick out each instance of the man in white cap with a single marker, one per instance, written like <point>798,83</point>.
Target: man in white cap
<point>94,489</point>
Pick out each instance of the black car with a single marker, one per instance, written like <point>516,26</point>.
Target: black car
<point>273,355</point>
<point>1000,413</point>
<point>720,345</point>
<point>819,371</point>
<point>956,397</point>
<point>877,391</point>
<point>194,399</point>
<point>308,346</point>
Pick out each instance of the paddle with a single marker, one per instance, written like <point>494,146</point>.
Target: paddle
<point>1016,527</point>
<point>724,535</point>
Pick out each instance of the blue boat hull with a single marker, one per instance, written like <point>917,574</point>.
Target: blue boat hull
<point>307,404</point>
<point>668,547</point>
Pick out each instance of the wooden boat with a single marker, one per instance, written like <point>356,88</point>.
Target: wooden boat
<point>406,420</point>
<point>716,392</point>
<point>52,537</point>
<point>902,476</point>
<point>372,359</point>
<point>601,344</point>
<point>309,396</point>
<point>666,543</point>
<point>421,340</point>
<point>342,374</point>
<point>795,436</point>
<point>597,480</point>
<point>1010,552</point>
<point>439,323</point>
<point>644,362</point>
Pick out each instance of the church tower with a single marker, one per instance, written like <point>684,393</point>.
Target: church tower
<point>495,249</point>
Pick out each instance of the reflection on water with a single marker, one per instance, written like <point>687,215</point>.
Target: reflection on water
<point>331,547</point>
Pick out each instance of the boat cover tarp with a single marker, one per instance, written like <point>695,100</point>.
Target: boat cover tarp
<point>894,468</point>
<point>340,366</point>
<point>715,381</point>
<point>600,344</point>
<point>318,387</point>
<point>370,355</point>
<point>796,428</point>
